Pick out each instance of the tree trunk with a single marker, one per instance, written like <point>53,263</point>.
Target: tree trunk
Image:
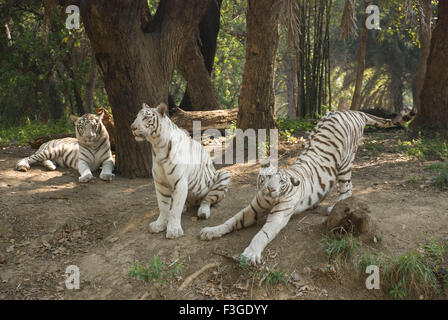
<point>136,53</point>
<point>433,113</point>
<point>90,86</point>
<point>425,44</point>
<point>396,92</point>
<point>200,93</point>
<point>291,83</point>
<point>356,101</point>
<point>256,100</point>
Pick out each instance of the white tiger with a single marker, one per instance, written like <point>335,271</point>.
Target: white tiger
<point>183,172</point>
<point>86,153</point>
<point>326,160</point>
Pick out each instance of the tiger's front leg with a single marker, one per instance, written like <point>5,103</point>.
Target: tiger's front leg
<point>84,171</point>
<point>174,228</point>
<point>106,171</point>
<point>277,219</point>
<point>164,202</point>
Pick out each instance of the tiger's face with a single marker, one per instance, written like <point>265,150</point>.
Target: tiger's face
<point>89,128</point>
<point>146,125</point>
<point>273,183</point>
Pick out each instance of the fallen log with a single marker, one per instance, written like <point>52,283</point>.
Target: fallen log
<point>213,119</point>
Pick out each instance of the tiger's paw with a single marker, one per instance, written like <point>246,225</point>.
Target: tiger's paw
<point>209,233</point>
<point>156,227</point>
<point>23,166</point>
<point>204,211</point>
<point>107,176</point>
<point>86,178</point>
<point>173,232</point>
<point>253,256</point>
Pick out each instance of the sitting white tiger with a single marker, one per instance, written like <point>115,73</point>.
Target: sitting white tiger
<point>86,153</point>
<point>183,172</point>
<point>326,160</point>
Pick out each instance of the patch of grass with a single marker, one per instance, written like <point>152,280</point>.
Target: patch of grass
<point>21,135</point>
<point>340,247</point>
<point>244,262</point>
<point>440,180</point>
<point>274,276</point>
<point>425,148</point>
<point>411,275</point>
<point>413,179</point>
<point>157,270</point>
<point>374,147</point>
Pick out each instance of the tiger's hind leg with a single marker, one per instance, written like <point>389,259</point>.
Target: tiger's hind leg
<point>217,192</point>
<point>345,187</point>
<point>49,165</point>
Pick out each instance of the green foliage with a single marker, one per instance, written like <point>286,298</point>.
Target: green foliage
<point>425,148</point>
<point>156,271</point>
<point>290,127</point>
<point>340,247</point>
<point>230,56</point>
<point>41,74</point>
<point>22,135</point>
<point>440,170</point>
<point>274,276</point>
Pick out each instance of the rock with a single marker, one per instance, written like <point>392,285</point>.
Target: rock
<point>351,215</point>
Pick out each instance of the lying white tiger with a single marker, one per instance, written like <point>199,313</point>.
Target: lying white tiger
<point>327,159</point>
<point>183,172</point>
<point>86,153</point>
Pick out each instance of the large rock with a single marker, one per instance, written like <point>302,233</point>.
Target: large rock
<point>352,216</point>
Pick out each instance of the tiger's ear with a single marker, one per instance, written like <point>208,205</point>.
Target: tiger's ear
<point>100,115</point>
<point>163,109</point>
<point>145,106</point>
<point>295,182</point>
<point>74,118</point>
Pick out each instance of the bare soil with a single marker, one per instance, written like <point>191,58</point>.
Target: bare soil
<point>49,221</point>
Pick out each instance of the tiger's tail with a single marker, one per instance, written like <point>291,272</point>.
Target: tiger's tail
<point>400,119</point>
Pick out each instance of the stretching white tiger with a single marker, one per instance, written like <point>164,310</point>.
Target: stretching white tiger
<point>183,172</point>
<point>326,160</point>
<point>86,153</point>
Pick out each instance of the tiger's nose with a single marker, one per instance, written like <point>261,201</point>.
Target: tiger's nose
<point>270,189</point>
<point>133,127</point>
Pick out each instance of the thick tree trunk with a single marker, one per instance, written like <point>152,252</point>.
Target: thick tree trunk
<point>256,100</point>
<point>200,93</point>
<point>136,55</point>
<point>356,101</point>
<point>425,44</point>
<point>433,113</point>
<point>90,86</point>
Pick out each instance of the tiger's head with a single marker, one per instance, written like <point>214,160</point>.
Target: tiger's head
<point>274,183</point>
<point>148,123</point>
<point>89,128</point>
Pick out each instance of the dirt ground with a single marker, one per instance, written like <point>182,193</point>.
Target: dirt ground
<point>49,221</point>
